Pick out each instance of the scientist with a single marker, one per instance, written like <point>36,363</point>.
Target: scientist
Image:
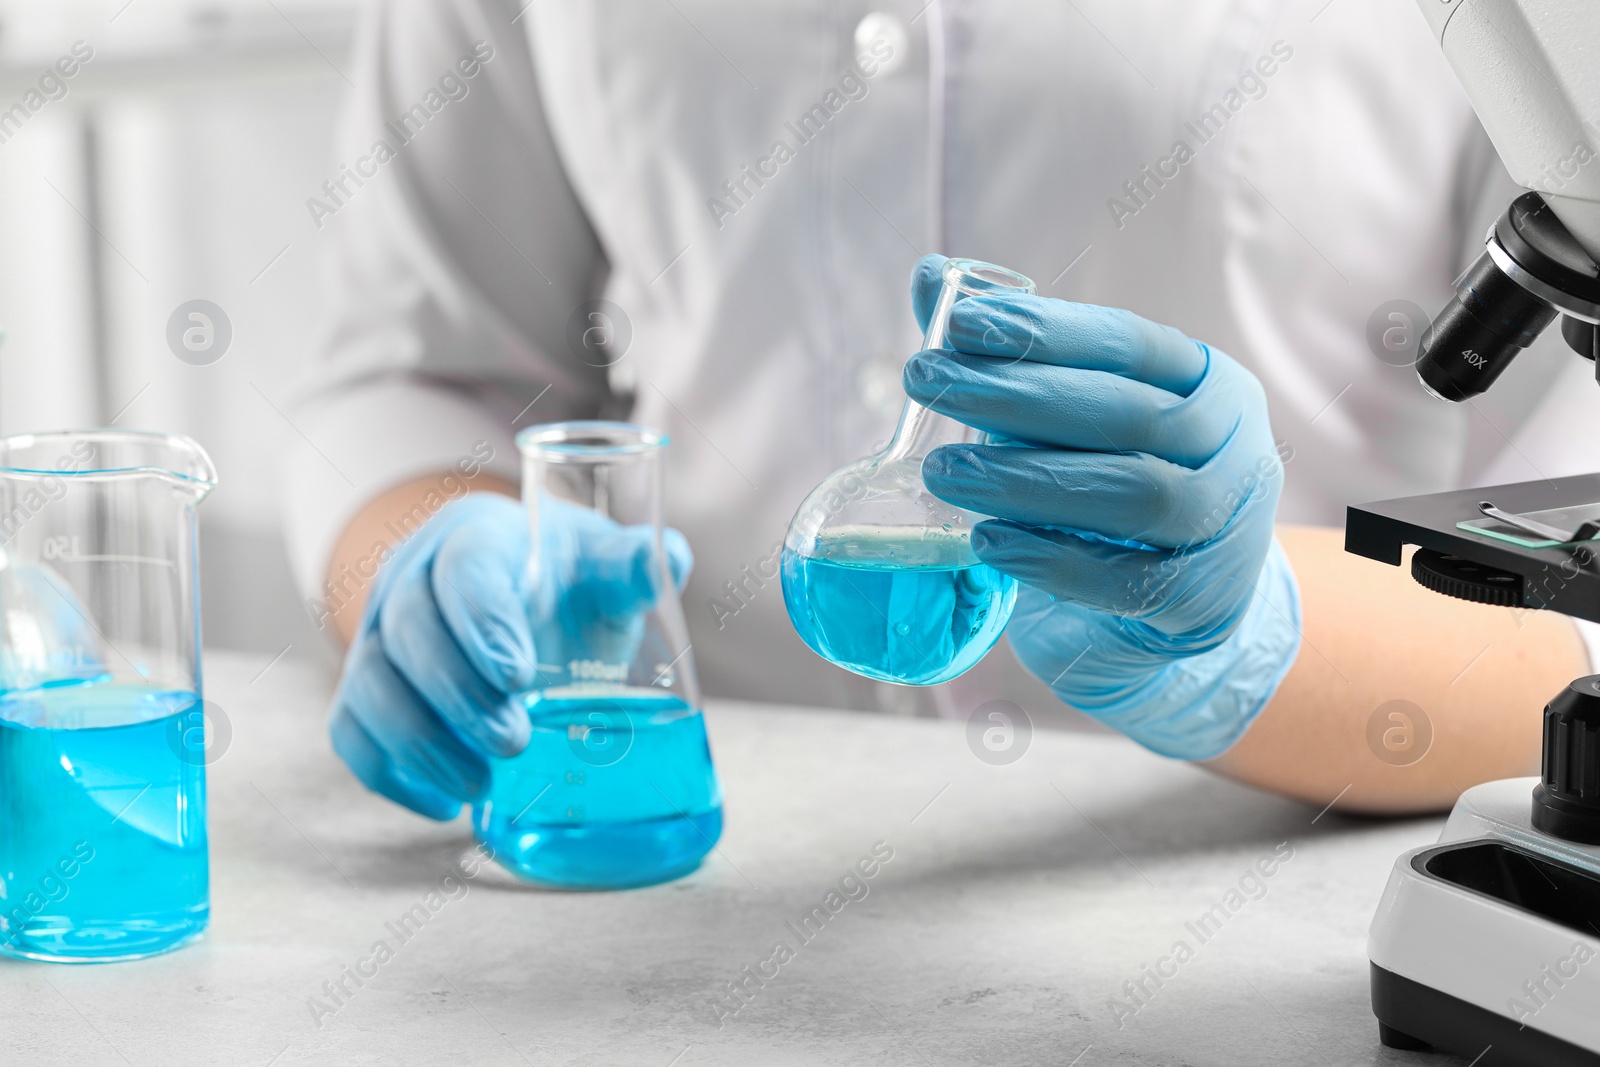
<point>701,215</point>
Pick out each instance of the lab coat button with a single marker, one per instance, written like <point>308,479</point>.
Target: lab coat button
<point>882,39</point>
<point>878,381</point>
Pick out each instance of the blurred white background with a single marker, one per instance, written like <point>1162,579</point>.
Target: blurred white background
<point>176,167</point>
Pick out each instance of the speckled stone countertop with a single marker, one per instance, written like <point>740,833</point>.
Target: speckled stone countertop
<point>1020,904</point>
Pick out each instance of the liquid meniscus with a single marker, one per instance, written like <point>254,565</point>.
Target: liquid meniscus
<point>615,789</point>
<point>102,822</point>
<point>915,613</point>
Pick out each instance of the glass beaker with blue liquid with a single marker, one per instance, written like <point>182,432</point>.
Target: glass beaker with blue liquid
<point>102,784</point>
<point>879,575</point>
<point>616,787</point>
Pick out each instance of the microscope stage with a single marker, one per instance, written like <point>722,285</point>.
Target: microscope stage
<point>1563,577</point>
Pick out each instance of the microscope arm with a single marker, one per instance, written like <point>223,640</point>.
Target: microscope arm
<point>1532,71</point>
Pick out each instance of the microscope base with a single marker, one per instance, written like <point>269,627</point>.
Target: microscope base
<point>1487,944</point>
<point>1414,1017</point>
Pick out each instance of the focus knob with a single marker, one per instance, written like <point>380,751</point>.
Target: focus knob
<point>1466,579</point>
<point>1566,802</point>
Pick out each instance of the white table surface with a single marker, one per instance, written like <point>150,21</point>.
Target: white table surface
<point>1019,900</point>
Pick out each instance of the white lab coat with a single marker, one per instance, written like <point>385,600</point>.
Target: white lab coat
<point>1329,166</point>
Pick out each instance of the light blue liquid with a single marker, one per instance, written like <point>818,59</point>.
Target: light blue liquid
<point>917,614</point>
<point>614,790</point>
<point>102,822</point>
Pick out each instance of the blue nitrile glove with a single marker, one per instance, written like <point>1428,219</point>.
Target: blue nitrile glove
<point>1133,489</point>
<point>448,637</point>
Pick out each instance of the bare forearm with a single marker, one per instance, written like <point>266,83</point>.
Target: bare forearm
<point>387,519</point>
<point>1476,677</point>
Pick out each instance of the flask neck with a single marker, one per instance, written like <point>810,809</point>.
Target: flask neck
<point>602,605</point>
<point>611,469</point>
<point>920,429</point>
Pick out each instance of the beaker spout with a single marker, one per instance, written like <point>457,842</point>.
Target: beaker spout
<point>101,454</point>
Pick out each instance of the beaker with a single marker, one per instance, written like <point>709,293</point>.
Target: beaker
<point>879,575</point>
<point>616,787</point>
<point>102,781</point>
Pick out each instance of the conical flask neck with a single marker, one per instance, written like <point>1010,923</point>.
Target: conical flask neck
<point>603,605</point>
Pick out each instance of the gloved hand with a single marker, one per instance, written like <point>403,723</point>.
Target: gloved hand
<point>1134,482</point>
<point>448,638</point>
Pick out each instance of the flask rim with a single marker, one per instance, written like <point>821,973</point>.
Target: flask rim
<point>973,277</point>
<point>589,440</point>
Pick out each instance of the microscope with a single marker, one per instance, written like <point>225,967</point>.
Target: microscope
<point>1487,943</point>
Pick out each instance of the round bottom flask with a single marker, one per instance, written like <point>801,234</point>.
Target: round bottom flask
<point>878,573</point>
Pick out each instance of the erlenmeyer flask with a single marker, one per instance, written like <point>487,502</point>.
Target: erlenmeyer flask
<point>102,759</point>
<point>878,573</point>
<point>616,787</point>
